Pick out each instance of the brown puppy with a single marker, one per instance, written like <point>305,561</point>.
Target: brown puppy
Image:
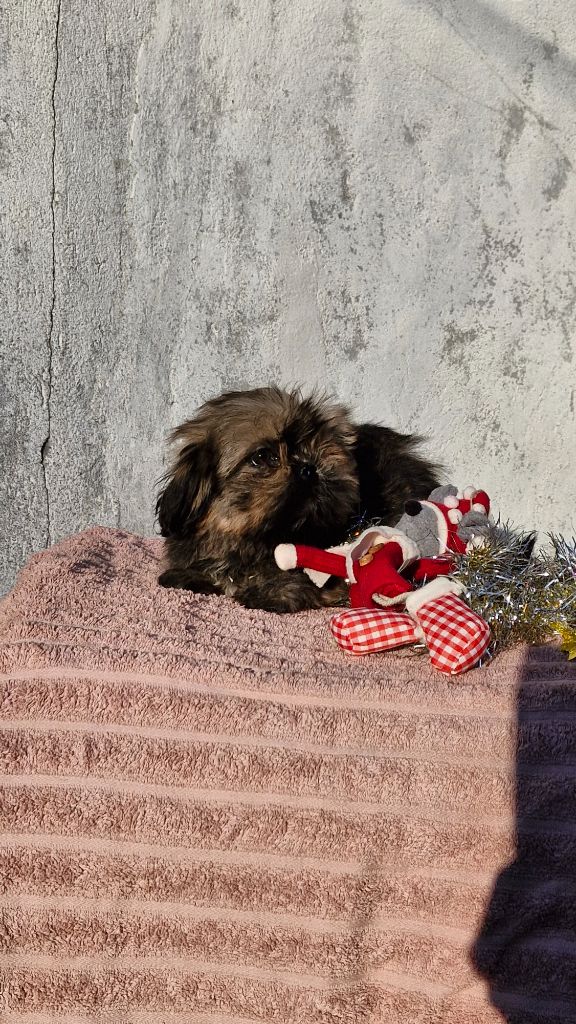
<point>259,467</point>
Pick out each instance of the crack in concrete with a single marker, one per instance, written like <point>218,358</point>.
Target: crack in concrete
<point>474,101</point>
<point>48,379</point>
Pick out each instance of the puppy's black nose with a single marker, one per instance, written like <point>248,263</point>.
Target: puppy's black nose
<point>306,471</point>
<point>412,507</point>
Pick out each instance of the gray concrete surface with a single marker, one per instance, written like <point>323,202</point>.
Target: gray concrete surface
<point>376,196</point>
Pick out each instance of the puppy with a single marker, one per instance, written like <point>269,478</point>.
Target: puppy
<point>255,468</point>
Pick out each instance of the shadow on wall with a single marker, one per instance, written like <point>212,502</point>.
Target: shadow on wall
<point>527,945</point>
<point>508,33</point>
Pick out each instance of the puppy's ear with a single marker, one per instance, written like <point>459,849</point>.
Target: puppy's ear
<point>188,488</point>
<point>390,471</point>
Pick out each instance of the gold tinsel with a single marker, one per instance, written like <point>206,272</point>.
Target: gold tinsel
<point>568,636</point>
<point>524,597</point>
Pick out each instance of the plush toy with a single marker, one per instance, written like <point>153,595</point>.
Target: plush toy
<point>449,520</point>
<point>384,564</point>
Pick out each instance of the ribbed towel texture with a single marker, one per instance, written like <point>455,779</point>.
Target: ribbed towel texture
<point>210,815</point>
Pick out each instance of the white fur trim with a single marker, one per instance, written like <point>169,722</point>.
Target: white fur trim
<point>439,587</point>
<point>371,536</point>
<point>477,507</point>
<point>442,526</point>
<point>454,515</point>
<point>317,577</point>
<point>469,492</point>
<point>408,547</point>
<point>451,501</point>
<point>285,556</point>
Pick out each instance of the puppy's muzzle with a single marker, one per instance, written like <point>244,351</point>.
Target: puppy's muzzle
<point>306,471</point>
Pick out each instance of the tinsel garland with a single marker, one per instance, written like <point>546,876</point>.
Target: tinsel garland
<point>524,597</point>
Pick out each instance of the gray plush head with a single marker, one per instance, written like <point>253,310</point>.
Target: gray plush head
<point>420,523</point>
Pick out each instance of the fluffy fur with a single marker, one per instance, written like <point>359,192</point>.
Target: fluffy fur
<point>255,468</point>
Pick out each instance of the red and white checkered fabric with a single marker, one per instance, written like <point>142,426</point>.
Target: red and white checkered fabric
<point>367,630</point>
<point>455,636</point>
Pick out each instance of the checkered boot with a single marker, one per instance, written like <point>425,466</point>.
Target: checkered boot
<point>455,636</point>
<point>368,630</point>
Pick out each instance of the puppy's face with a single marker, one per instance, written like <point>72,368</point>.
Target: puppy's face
<point>263,463</point>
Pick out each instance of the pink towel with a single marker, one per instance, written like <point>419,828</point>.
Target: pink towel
<point>210,815</point>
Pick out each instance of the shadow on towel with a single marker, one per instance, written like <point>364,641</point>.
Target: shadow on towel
<point>526,948</point>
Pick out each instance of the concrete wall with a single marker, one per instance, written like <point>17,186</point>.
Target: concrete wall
<point>378,196</point>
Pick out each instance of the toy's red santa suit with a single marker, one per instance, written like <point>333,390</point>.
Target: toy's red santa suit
<point>382,567</point>
<point>383,563</point>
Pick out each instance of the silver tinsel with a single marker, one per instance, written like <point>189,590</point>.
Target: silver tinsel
<point>524,597</point>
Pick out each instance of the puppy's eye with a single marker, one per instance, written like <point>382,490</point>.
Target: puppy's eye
<point>264,458</point>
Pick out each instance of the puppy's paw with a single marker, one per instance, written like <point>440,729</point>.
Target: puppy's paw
<point>285,556</point>
<point>182,580</point>
<point>170,578</point>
